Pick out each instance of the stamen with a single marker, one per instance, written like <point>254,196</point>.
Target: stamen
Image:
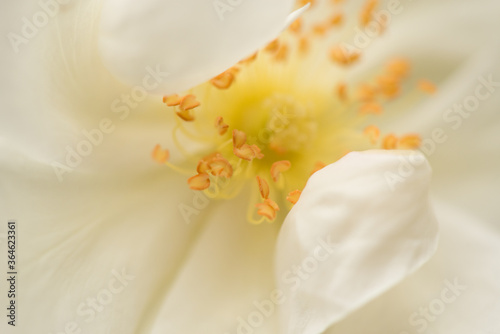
<point>199,182</point>
<point>268,209</point>
<point>273,46</point>
<point>342,56</point>
<point>303,45</point>
<point>318,166</point>
<point>390,142</point>
<point>160,155</point>
<point>239,138</point>
<point>373,133</point>
<point>389,85</point>
<point>367,12</point>
<point>263,187</point>
<point>279,167</point>
<point>366,92</point>
<point>223,80</point>
<point>427,87</point>
<point>219,166</point>
<point>342,91</point>
<point>399,68</point>
<point>371,108</point>
<point>410,142</point>
<point>296,26</point>
<point>172,100</point>
<point>188,102</point>
<point>221,126</point>
<point>336,20</point>
<point>186,115</point>
<point>282,53</point>
<point>248,152</point>
<point>293,197</point>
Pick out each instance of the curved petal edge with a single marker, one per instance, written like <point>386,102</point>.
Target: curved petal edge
<point>361,226</point>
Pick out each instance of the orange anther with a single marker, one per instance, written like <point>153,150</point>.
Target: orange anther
<point>371,108</point>
<point>273,46</point>
<point>336,19</point>
<point>221,126</point>
<point>303,44</point>
<point>343,56</point>
<point>203,166</point>
<point>320,29</point>
<point>219,166</point>
<point>188,102</point>
<point>341,91</point>
<point>199,182</point>
<point>399,68</point>
<point>318,166</point>
<point>279,167</point>
<point>267,209</point>
<point>293,197</point>
<point>366,92</point>
<point>390,142</point>
<point>223,80</point>
<point>263,187</point>
<point>248,152</point>
<point>160,155</point>
<point>427,87</point>
<point>410,142</point>
<point>172,100</point>
<point>239,138</point>
<point>373,133</point>
<point>186,115</point>
<point>249,59</point>
<point>282,52</point>
<point>256,152</point>
<point>367,12</point>
<point>296,25</point>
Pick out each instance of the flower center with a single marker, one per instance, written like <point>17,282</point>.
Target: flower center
<point>277,117</point>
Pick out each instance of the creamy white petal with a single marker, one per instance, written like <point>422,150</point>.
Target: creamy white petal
<point>457,291</point>
<point>353,235</point>
<point>114,215</point>
<point>227,279</point>
<point>191,40</point>
<point>454,47</point>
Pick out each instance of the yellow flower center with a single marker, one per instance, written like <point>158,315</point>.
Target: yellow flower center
<point>284,113</point>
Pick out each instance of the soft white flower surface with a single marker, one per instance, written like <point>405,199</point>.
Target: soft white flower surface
<point>103,248</point>
<point>191,40</point>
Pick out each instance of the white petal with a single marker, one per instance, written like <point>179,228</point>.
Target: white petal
<point>354,236</point>
<point>453,46</point>
<point>226,274</point>
<point>424,303</point>
<point>117,210</point>
<point>191,40</point>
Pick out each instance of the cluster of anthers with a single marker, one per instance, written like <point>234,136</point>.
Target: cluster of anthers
<point>277,117</point>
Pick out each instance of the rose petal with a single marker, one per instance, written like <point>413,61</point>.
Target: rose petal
<point>352,235</point>
<point>185,42</point>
